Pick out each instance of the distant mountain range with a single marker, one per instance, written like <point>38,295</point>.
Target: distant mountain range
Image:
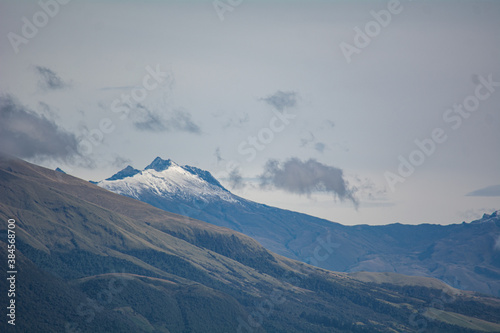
<point>89,260</point>
<point>465,255</point>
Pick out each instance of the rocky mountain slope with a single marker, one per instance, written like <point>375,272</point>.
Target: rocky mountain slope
<point>89,260</point>
<point>465,255</point>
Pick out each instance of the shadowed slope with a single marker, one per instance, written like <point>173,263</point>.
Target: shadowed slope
<point>166,273</point>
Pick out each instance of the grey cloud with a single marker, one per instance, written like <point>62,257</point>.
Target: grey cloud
<point>49,80</point>
<point>26,134</point>
<point>320,147</point>
<point>121,162</point>
<point>489,191</point>
<point>45,110</point>
<point>145,119</point>
<point>309,138</point>
<point>218,155</point>
<point>281,100</point>
<point>307,177</point>
<point>181,120</point>
<point>235,179</point>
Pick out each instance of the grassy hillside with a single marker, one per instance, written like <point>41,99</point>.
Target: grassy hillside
<point>93,261</point>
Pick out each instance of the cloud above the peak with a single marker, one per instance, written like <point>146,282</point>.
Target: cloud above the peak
<point>49,80</point>
<point>236,179</point>
<point>489,191</point>
<point>145,119</point>
<point>282,99</point>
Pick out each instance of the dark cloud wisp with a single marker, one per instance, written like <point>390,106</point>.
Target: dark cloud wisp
<point>145,119</point>
<point>218,155</point>
<point>490,191</point>
<point>306,177</point>
<point>235,179</point>
<point>181,121</point>
<point>282,99</point>
<point>121,162</point>
<point>25,134</point>
<point>320,147</point>
<point>49,80</point>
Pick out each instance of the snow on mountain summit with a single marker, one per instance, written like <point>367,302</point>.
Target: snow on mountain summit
<point>159,164</point>
<point>165,178</point>
<point>127,172</point>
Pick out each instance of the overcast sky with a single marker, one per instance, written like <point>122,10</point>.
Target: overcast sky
<point>361,112</point>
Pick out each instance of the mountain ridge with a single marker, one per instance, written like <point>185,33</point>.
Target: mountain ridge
<point>420,250</point>
<point>126,172</point>
<point>123,265</point>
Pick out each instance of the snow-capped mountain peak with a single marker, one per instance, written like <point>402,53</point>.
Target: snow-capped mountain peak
<point>167,179</point>
<point>160,164</point>
<point>203,174</point>
<point>126,172</point>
